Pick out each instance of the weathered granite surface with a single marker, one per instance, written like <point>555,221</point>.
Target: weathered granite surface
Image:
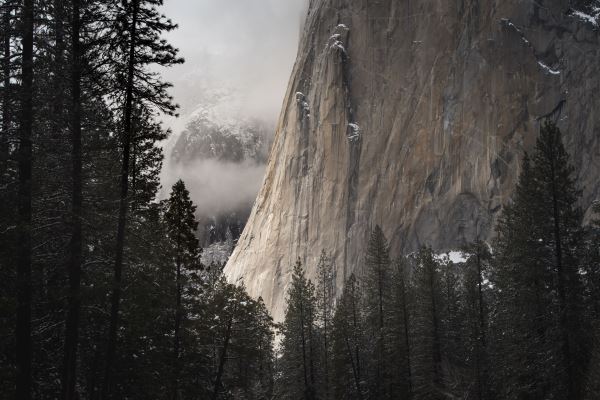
<point>414,115</point>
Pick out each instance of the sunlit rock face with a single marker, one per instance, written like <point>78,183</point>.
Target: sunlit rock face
<point>414,115</point>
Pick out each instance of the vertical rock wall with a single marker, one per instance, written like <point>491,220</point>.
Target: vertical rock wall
<point>414,115</point>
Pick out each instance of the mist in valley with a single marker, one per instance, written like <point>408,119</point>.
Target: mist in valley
<point>239,55</point>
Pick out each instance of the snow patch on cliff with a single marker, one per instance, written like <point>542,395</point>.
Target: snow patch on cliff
<point>590,15</point>
<point>548,69</point>
<point>336,41</point>
<point>354,132</point>
<point>304,106</point>
<point>520,32</point>
<point>457,257</point>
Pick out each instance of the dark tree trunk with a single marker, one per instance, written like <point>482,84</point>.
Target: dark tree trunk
<point>303,338</point>
<point>69,377</point>
<point>59,68</point>
<point>437,352</point>
<point>325,333</point>
<point>406,333</point>
<point>355,373</point>
<point>177,339</point>
<point>23,331</point>
<point>123,208</point>
<point>6,99</point>
<point>223,356</point>
<point>481,361</point>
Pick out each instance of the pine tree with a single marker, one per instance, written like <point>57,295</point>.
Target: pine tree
<point>428,377</point>
<point>141,46</point>
<point>537,273</point>
<point>181,226</point>
<point>298,347</point>
<point>560,221</point>
<point>348,341</point>
<point>377,278</point>
<point>524,307</point>
<point>400,329</point>
<point>325,294</point>
<point>476,309</point>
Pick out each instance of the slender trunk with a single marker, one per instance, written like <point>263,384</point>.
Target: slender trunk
<point>311,356</point>
<point>176,344</point>
<point>223,356</point>
<point>123,208</point>
<point>325,314</point>
<point>69,378</point>
<point>406,332</point>
<point>380,348</point>
<point>354,369</point>
<point>23,330</point>
<point>481,363</point>
<point>304,366</point>
<point>6,92</point>
<point>59,61</point>
<point>437,356</point>
<point>564,322</point>
<point>356,328</point>
<point>480,293</point>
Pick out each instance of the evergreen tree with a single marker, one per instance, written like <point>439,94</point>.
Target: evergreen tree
<point>325,294</point>
<point>298,347</point>
<point>537,274</point>
<point>181,226</point>
<point>400,322</point>
<point>475,304</point>
<point>377,279</point>
<point>428,378</point>
<point>348,343</point>
<point>560,220</point>
<point>140,25</point>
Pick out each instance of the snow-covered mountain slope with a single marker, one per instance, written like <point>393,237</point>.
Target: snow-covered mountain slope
<point>221,155</point>
<point>219,129</point>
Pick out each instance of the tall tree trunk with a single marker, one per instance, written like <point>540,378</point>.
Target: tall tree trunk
<point>356,329</point>
<point>437,352</point>
<point>223,358</point>
<point>406,332</point>
<point>307,389</point>
<point>23,331</point>
<point>4,140</point>
<point>481,362</point>
<point>69,377</point>
<point>176,339</point>
<point>325,310</point>
<point>123,208</point>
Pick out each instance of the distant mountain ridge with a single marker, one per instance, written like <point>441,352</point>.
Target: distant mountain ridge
<point>218,129</point>
<point>219,133</point>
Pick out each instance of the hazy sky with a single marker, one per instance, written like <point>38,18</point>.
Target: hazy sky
<point>247,45</point>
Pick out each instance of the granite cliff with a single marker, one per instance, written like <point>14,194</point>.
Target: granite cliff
<point>414,115</point>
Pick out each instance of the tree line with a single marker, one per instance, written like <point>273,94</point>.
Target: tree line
<point>102,293</point>
<point>517,318</point>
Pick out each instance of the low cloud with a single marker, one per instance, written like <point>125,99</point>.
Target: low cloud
<point>248,45</point>
<point>217,187</point>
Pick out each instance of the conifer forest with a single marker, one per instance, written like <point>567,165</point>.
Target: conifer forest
<point>106,291</point>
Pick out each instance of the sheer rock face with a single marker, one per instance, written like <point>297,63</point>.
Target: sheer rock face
<point>414,115</point>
